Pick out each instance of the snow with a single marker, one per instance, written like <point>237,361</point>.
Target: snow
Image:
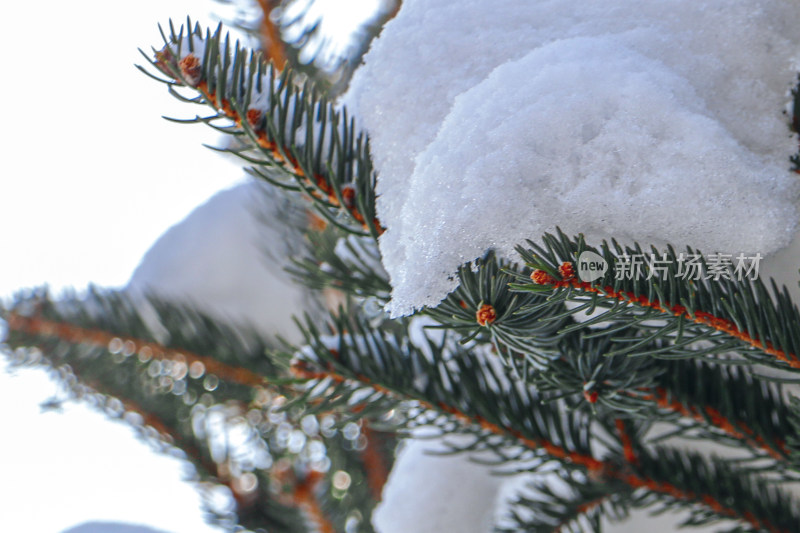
<point>227,258</point>
<point>430,493</point>
<point>657,121</point>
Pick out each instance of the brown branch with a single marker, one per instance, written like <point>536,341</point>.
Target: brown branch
<point>540,277</point>
<point>190,69</point>
<point>582,509</point>
<point>597,468</point>
<point>283,155</point>
<point>96,337</point>
<point>660,396</point>
<point>627,442</point>
<point>374,465</point>
<point>167,432</point>
<point>711,415</point>
<point>271,40</point>
<point>302,371</point>
<point>305,499</point>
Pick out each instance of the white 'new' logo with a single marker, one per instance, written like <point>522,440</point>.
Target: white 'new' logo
<point>591,266</point>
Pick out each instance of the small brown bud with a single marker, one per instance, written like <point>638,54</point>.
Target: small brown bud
<point>191,69</point>
<point>486,315</point>
<point>540,277</point>
<point>253,117</point>
<point>567,271</point>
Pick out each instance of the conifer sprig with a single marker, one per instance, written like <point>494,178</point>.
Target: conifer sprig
<point>164,393</point>
<point>590,367</point>
<point>578,507</point>
<point>701,399</point>
<point>440,377</point>
<point>743,316</point>
<point>342,261</point>
<point>354,367</point>
<point>293,137</point>
<point>727,401</point>
<point>484,307</point>
<point>191,393</point>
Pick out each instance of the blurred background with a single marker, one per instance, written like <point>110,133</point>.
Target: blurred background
<point>92,175</point>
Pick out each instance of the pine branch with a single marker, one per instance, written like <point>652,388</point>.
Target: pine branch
<point>483,307</point>
<point>580,369</point>
<point>714,396</point>
<point>36,326</point>
<point>295,138</point>
<point>729,314</point>
<point>271,40</point>
<point>577,508</point>
<point>642,387</point>
<point>671,475</point>
<point>181,394</point>
<point>395,370</point>
<point>172,395</point>
<point>358,366</point>
<point>375,459</point>
<point>343,262</point>
<point>581,366</point>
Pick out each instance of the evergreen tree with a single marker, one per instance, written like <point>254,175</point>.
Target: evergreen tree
<point>507,369</point>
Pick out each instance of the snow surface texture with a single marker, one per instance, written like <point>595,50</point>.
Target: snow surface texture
<point>223,258</point>
<point>429,493</point>
<point>657,121</point>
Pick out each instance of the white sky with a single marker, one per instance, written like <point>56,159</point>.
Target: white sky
<point>63,469</point>
<point>91,176</point>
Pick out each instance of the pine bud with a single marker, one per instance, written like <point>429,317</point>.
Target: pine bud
<point>253,117</point>
<point>191,69</point>
<point>486,315</point>
<point>540,277</point>
<point>567,271</point>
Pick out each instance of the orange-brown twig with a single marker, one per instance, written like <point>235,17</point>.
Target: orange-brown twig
<point>581,509</point>
<point>660,395</point>
<point>699,317</point>
<point>627,443</point>
<point>270,35</point>
<point>596,467</point>
<point>281,154</point>
<point>95,337</point>
<point>307,501</point>
<point>374,465</point>
<point>738,430</point>
<point>302,371</point>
